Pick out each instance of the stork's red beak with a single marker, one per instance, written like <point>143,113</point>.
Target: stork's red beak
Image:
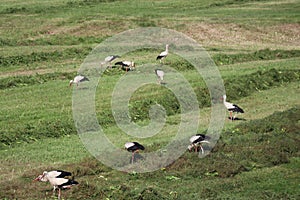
<point>38,178</point>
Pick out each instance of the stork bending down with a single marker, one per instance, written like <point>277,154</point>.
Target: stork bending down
<point>133,147</point>
<point>78,79</point>
<point>126,65</point>
<point>57,180</point>
<point>196,142</point>
<point>109,59</point>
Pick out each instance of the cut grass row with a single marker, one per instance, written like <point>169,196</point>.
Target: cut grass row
<point>43,106</point>
<point>58,23</point>
<point>81,53</point>
<point>243,156</point>
<point>139,107</point>
<point>157,9</point>
<point>74,53</point>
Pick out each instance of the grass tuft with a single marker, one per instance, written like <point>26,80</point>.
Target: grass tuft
<point>265,54</point>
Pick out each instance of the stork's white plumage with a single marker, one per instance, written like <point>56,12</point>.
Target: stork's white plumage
<point>197,141</point>
<point>133,147</point>
<point>126,65</point>
<point>78,79</point>
<point>160,74</point>
<point>232,108</point>
<point>163,54</point>
<point>109,59</point>
<point>57,180</point>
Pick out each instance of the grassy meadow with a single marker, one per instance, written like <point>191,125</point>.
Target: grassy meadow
<point>254,44</point>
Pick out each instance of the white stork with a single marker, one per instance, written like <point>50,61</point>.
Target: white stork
<point>57,180</point>
<point>133,147</point>
<point>196,142</point>
<point>160,74</point>
<point>163,54</point>
<point>78,79</point>
<point>109,59</point>
<point>232,108</point>
<point>126,65</point>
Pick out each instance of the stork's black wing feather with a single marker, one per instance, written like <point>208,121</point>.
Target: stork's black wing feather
<point>139,146</point>
<point>119,63</point>
<point>68,183</point>
<point>84,79</point>
<point>159,57</point>
<point>63,174</point>
<point>237,109</point>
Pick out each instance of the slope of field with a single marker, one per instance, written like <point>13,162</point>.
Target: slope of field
<point>255,45</point>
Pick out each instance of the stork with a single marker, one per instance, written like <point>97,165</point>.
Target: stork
<point>126,65</point>
<point>133,147</point>
<point>109,59</point>
<point>57,180</point>
<point>78,79</point>
<point>163,54</point>
<point>160,74</point>
<point>232,108</point>
<point>196,142</point>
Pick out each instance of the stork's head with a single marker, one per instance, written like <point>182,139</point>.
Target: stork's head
<point>71,82</point>
<point>41,177</point>
<point>38,178</point>
<point>223,98</point>
<point>190,147</point>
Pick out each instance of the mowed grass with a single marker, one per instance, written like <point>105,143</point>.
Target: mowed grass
<point>69,153</point>
<point>276,99</point>
<point>43,43</point>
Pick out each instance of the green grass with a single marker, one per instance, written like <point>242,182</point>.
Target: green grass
<point>255,45</point>
<point>47,152</point>
<point>222,174</point>
<point>53,122</point>
<point>266,54</point>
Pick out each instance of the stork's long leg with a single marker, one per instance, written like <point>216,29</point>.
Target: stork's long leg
<point>195,147</point>
<point>201,149</point>
<point>54,188</point>
<point>59,193</point>
<point>132,158</point>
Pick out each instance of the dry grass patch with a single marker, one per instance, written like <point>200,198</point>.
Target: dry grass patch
<point>286,36</point>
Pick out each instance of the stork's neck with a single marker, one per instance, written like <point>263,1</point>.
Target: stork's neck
<point>224,98</point>
<point>45,177</point>
<point>167,48</point>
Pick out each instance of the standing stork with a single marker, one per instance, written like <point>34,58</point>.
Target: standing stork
<point>126,65</point>
<point>163,54</point>
<point>133,147</point>
<point>232,108</point>
<point>78,79</point>
<point>57,180</point>
<point>160,75</point>
<point>196,142</point>
<point>109,59</point>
